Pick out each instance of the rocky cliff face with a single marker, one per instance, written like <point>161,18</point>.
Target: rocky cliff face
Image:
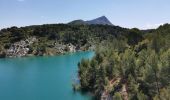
<point>24,48</point>
<point>21,48</point>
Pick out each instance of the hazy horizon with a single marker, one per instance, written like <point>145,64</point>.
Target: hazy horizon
<point>142,14</point>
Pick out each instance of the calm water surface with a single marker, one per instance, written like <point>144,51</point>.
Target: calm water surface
<point>41,78</point>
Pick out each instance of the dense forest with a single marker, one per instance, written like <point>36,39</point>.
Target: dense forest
<point>129,64</point>
<point>47,36</point>
<point>134,68</point>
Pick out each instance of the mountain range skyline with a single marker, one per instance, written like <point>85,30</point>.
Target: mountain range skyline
<point>142,14</point>
<point>102,20</point>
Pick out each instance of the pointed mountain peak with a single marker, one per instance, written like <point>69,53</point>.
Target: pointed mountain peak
<point>102,17</point>
<point>100,20</point>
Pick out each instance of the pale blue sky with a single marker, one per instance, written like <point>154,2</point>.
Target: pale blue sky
<point>126,13</point>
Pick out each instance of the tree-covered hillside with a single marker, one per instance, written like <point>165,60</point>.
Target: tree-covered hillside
<point>136,70</point>
<point>47,39</point>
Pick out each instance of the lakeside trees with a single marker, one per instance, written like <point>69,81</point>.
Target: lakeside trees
<point>139,72</point>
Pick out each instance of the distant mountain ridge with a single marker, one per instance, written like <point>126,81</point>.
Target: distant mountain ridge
<point>98,21</point>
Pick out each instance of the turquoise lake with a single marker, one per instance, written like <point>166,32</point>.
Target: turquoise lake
<point>41,78</point>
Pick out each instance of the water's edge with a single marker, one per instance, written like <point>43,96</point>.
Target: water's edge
<point>41,78</point>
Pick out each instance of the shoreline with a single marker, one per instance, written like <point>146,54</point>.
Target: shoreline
<point>27,56</point>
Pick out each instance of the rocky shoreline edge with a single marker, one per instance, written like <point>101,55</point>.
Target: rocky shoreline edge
<point>25,48</point>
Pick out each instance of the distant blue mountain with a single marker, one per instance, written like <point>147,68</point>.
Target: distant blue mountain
<point>98,21</point>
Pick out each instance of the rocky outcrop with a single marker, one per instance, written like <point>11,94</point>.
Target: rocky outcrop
<point>71,48</point>
<point>21,48</point>
<point>27,47</point>
<point>62,48</point>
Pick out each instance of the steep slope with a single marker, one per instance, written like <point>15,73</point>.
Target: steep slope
<point>101,20</point>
